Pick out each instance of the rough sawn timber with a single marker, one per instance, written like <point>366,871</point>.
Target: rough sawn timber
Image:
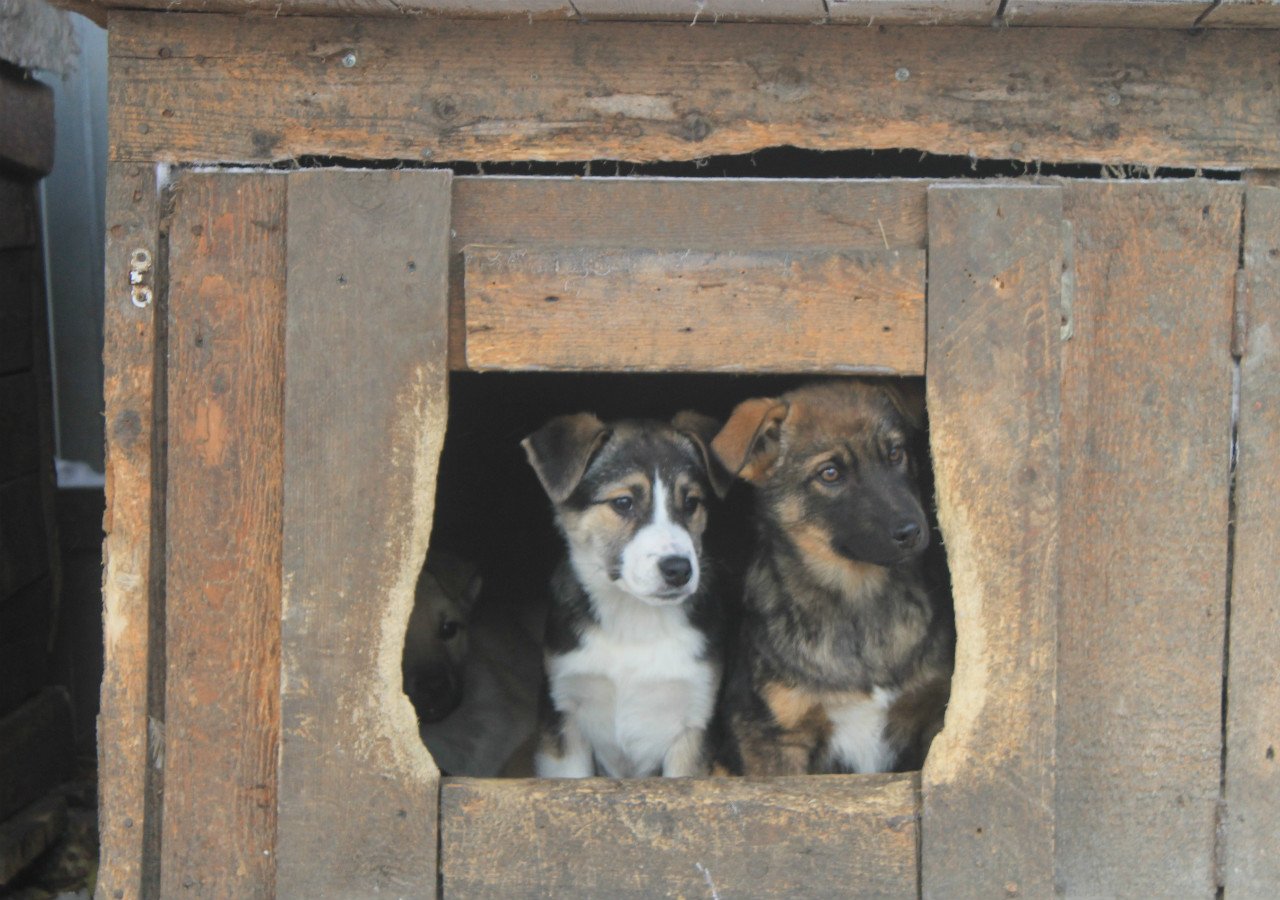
<point>825,836</point>
<point>995,271</point>
<point>1146,430</point>
<point>224,497</point>
<point>199,88</point>
<point>1251,862</point>
<point>365,405</point>
<point>665,311</point>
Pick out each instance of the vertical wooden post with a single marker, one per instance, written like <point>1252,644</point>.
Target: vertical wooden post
<point>1252,815</point>
<point>995,269</point>
<point>365,407</point>
<point>133,552</point>
<point>225,496</point>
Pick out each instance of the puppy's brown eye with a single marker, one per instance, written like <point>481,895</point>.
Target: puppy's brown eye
<point>897,454</point>
<point>830,473</point>
<point>622,505</point>
<point>691,504</point>
<point>448,630</point>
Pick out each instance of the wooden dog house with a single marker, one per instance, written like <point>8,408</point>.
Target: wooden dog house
<point>293,270</point>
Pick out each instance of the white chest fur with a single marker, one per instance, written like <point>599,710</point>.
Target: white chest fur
<point>857,736</point>
<point>635,684</point>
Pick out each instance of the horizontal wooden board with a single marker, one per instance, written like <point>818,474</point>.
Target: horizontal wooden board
<point>223,89</point>
<point>35,749</point>
<point>1108,13</point>
<point>678,214</point>
<point>1244,14</point>
<point>19,426</point>
<point>1122,13</point>
<point>644,310</point>
<point>26,108</point>
<point>822,836</point>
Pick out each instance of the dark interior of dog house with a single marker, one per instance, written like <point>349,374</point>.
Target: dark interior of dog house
<point>292,302</point>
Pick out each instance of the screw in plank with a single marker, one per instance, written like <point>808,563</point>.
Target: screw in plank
<point>1113,98</point>
<point>902,74</point>
<point>349,59</point>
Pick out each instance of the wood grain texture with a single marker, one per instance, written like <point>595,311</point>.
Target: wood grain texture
<point>26,108</point>
<point>17,214</point>
<point>1252,818</point>
<point>995,268</point>
<point>904,12</point>
<point>133,551</point>
<point>641,310</point>
<point>707,12</point>
<point>18,274</point>
<point>19,424</point>
<point>787,837</point>
<point>203,88</point>
<point>365,408</point>
<point>35,749</point>
<point>1244,14</point>
<point>1146,428</point>
<point>677,214</point>
<point>225,496</point>
<point>1107,13</point>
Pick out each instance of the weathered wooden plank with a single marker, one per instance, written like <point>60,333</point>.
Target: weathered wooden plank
<point>204,88</point>
<point>995,269</point>
<point>19,424</point>
<point>26,108</point>
<point>1244,14</point>
<point>787,837</point>
<point>678,214</point>
<point>25,618</point>
<point>17,288</point>
<point>708,12</point>
<point>640,310</point>
<point>17,214</point>
<point>1146,426</point>
<point>366,355</point>
<point>921,12</point>
<point>133,551</point>
<point>1107,13</point>
<point>223,575</point>
<point>24,549</point>
<point>35,749</point>
<point>1252,816</point>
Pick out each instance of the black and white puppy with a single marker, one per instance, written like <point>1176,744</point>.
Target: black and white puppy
<point>632,648</point>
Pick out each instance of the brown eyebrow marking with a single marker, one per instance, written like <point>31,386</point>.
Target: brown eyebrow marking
<point>633,484</point>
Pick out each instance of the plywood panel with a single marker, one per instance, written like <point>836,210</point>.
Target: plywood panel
<point>995,269</point>
<point>19,425</point>
<point>640,310</point>
<point>814,837</point>
<point>205,88</point>
<point>225,494</point>
<point>17,214</point>
<point>1252,817</point>
<point>1146,429</point>
<point>24,548</point>
<point>18,274</point>
<point>26,108</point>
<point>133,551</point>
<point>365,406</point>
<point>25,619</point>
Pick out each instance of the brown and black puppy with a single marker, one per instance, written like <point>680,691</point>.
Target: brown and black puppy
<point>843,664</point>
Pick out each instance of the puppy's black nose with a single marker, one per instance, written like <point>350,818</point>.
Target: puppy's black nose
<point>907,535</point>
<point>676,570</point>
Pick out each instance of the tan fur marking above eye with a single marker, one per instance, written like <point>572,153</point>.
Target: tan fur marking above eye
<point>853,579</point>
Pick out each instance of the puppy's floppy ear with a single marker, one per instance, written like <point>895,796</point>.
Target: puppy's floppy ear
<point>749,443</point>
<point>561,450</point>
<point>702,430</point>
<point>907,398</point>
